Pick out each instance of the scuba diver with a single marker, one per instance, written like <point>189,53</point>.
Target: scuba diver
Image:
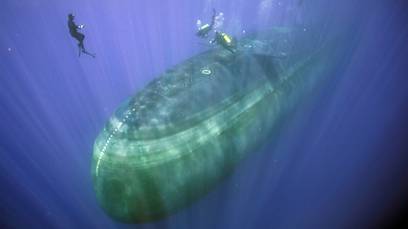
<point>204,30</point>
<point>225,41</point>
<point>73,30</point>
<point>220,38</point>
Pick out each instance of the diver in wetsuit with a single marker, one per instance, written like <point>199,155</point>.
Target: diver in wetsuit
<point>73,30</point>
<point>225,41</point>
<point>204,30</point>
<point>220,38</point>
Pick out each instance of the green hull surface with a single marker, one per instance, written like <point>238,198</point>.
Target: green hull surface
<point>176,139</point>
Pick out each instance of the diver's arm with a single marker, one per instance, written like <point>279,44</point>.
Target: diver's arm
<point>77,26</point>
<point>72,25</point>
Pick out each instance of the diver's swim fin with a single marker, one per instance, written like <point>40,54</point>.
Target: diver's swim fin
<point>88,53</point>
<point>93,55</point>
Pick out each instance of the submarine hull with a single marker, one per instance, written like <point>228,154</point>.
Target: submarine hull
<point>175,140</point>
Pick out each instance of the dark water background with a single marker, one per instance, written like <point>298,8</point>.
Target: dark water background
<point>339,162</point>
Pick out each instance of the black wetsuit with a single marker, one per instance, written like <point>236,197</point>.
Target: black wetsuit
<point>73,30</point>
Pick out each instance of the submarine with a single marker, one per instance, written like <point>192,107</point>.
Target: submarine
<point>173,141</point>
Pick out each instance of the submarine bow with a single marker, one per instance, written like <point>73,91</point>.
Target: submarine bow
<point>173,141</point>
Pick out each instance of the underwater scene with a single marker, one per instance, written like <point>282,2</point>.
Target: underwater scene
<point>275,114</point>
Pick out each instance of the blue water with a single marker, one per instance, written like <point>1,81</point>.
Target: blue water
<point>340,160</point>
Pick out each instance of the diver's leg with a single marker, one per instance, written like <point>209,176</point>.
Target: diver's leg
<point>79,49</point>
<point>86,52</point>
<point>83,47</point>
<point>81,38</point>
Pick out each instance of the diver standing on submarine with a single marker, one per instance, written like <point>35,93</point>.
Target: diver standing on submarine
<point>73,30</point>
